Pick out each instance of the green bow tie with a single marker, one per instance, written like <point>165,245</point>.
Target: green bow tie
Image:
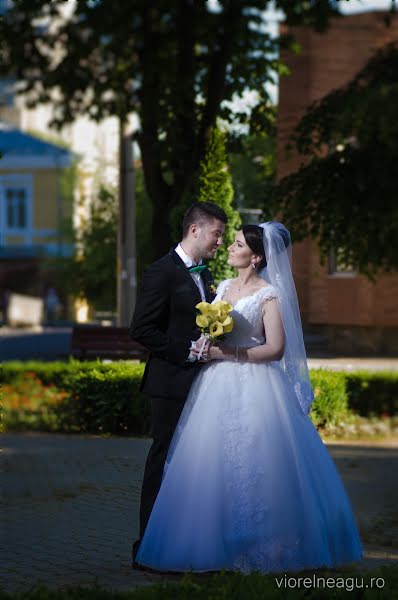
<point>197,269</point>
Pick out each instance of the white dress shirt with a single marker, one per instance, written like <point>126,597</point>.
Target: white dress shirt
<point>195,276</point>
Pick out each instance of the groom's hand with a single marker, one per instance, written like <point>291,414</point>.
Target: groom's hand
<point>196,349</point>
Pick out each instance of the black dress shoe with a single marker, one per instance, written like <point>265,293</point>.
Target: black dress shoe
<point>134,549</point>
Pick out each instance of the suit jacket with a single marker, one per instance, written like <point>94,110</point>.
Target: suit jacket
<point>164,321</point>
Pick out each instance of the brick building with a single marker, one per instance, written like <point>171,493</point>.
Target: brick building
<point>354,314</point>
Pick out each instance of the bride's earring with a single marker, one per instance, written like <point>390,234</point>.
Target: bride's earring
<point>253,265</point>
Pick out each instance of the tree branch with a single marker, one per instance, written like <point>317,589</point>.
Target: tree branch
<point>185,95</point>
<point>217,73</point>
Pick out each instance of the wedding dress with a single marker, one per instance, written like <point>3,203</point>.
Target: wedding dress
<point>248,483</point>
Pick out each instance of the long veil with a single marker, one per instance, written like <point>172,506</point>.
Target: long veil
<point>277,246</point>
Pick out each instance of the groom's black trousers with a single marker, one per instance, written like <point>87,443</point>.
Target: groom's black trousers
<point>165,415</point>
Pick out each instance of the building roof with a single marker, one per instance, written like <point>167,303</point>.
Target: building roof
<point>22,150</point>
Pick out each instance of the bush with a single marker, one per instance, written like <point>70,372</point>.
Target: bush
<point>86,397</point>
<point>331,400</point>
<point>373,393</point>
<point>92,397</point>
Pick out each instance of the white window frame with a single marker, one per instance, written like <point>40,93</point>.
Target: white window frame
<point>16,181</point>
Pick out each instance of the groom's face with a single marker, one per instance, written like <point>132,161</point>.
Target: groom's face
<point>209,237</point>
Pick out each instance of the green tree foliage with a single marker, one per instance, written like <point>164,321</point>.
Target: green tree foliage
<point>215,185</point>
<point>252,162</point>
<point>345,193</point>
<point>173,63</point>
<point>92,272</point>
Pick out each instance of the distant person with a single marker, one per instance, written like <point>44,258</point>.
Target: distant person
<point>52,305</point>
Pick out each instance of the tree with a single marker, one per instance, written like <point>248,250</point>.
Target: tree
<point>92,272</point>
<point>173,63</point>
<point>252,162</point>
<point>215,185</point>
<point>144,219</point>
<point>345,192</point>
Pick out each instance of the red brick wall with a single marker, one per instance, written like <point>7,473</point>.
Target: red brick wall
<point>328,61</point>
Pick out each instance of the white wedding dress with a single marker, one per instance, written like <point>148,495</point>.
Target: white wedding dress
<point>248,483</point>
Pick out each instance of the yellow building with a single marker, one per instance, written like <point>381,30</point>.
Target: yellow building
<point>32,209</point>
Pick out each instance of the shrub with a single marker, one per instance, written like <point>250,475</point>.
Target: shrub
<point>92,397</point>
<point>89,397</point>
<point>331,400</point>
<point>373,393</point>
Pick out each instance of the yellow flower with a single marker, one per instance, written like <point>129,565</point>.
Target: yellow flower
<point>222,306</point>
<point>216,329</point>
<point>226,320</point>
<point>229,327</point>
<point>214,311</point>
<point>203,307</point>
<point>212,289</point>
<point>202,321</point>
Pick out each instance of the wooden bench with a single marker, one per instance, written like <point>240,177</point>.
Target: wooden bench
<point>93,341</point>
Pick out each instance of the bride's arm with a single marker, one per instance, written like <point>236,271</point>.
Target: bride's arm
<point>272,349</point>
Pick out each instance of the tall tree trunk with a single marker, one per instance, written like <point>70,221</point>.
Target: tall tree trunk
<point>161,231</point>
<point>126,255</point>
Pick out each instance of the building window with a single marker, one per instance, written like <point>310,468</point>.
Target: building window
<point>16,208</point>
<point>340,267</point>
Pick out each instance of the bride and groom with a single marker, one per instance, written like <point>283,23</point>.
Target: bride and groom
<point>237,477</point>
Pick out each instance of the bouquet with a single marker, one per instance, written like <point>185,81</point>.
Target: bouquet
<point>214,321</point>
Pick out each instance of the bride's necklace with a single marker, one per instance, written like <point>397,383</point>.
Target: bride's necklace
<point>239,285</point>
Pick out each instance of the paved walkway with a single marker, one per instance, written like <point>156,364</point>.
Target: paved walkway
<point>350,363</point>
<point>71,507</point>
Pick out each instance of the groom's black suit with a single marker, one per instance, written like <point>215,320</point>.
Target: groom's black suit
<point>164,321</point>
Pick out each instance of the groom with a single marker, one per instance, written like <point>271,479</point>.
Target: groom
<point>164,321</point>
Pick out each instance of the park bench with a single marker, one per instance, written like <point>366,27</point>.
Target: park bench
<point>93,341</point>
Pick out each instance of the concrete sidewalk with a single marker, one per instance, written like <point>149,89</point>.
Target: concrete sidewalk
<point>71,507</point>
<point>350,363</point>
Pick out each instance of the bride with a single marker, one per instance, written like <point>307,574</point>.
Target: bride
<point>248,484</point>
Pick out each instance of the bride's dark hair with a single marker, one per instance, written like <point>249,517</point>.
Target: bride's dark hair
<point>253,235</point>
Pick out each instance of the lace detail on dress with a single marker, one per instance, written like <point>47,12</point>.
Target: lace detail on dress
<point>247,510</point>
<point>248,329</point>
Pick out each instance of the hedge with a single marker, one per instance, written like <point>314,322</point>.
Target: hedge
<point>373,393</point>
<point>72,397</point>
<point>93,397</point>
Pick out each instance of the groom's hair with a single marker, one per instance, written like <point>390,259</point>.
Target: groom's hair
<point>200,213</point>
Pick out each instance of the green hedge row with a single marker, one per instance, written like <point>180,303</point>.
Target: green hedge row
<point>75,396</point>
<point>94,397</point>
<point>373,393</point>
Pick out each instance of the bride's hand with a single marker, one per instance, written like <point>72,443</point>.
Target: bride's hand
<point>215,353</point>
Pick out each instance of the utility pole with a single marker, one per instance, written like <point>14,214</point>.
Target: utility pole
<point>126,236</point>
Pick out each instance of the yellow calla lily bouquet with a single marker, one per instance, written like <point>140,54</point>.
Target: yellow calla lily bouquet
<point>214,321</point>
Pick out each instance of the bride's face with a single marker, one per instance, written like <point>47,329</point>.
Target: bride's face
<point>239,253</point>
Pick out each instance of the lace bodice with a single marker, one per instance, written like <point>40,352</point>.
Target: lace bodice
<point>247,315</point>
